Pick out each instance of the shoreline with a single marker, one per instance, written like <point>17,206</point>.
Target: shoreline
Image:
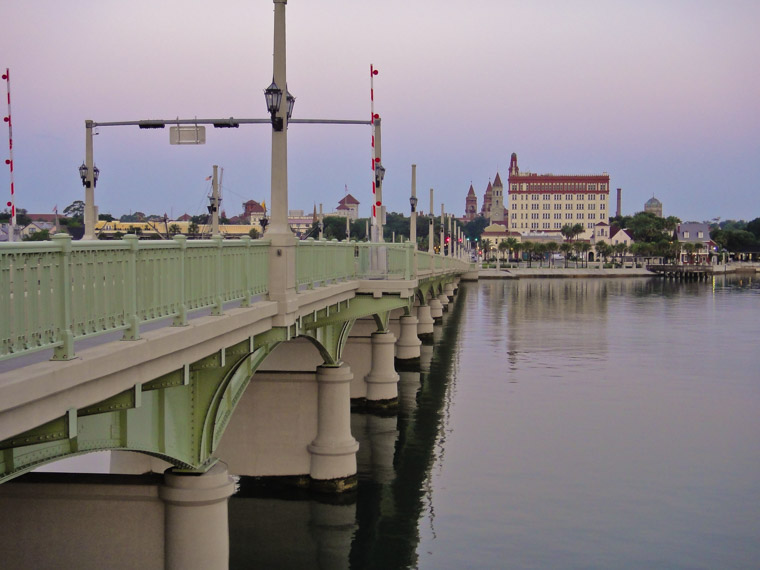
<point>582,272</point>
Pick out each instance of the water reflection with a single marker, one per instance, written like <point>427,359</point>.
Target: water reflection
<point>583,423</point>
<point>378,526</point>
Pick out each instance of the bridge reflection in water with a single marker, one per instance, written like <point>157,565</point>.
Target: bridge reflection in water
<point>278,526</point>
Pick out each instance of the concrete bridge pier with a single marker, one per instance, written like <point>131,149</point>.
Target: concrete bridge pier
<point>333,451</point>
<point>436,309</point>
<point>425,323</point>
<point>196,528</point>
<point>408,343</point>
<point>444,300</point>
<point>382,380</point>
<point>448,290</point>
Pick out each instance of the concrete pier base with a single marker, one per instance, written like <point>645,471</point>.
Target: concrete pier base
<point>196,528</point>
<point>448,290</point>
<point>436,309</point>
<point>443,298</point>
<point>408,344</point>
<point>425,323</point>
<point>382,381</point>
<point>333,451</point>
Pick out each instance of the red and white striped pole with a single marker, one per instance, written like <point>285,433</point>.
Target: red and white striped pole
<point>377,201</point>
<point>9,160</point>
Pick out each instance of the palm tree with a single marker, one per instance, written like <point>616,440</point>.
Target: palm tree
<point>503,246</point>
<point>566,248</point>
<point>620,249</point>
<point>512,244</point>
<point>486,245</point>
<point>689,248</point>
<point>529,247</point>
<point>584,247</point>
<point>192,229</point>
<point>697,248</point>
<point>174,229</point>
<point>603,249</point>
<point>549,248</point>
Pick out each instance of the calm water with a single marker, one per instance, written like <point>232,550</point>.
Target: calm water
<point>575,423</point>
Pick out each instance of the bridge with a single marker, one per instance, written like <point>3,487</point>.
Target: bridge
<point>245,350</point>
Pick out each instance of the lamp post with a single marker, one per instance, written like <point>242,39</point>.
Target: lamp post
<point>89,173</point>
<point>213,207</point>
<point>279,115</point>
<point>431,229</point>
<point>413,219</point>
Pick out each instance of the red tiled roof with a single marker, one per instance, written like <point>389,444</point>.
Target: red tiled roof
<point>348,199</point>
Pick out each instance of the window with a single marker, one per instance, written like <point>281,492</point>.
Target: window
<point>557,226</point>
<point>547,216</point>
<point>514,216</point>
<point>514,187</point>
<point>568,206</point>
<point>592,216</point>
<point>700,234</point>
<point>592,196</point>
<point>534,225</point>
<point>534,196</point>
<point>557,216</point>
<point>601,206</point>
<point>534,206</point>
<point>591,187</point>
<point>592,206</point>
<point>591,227</point>
<point>570,196</point>
<point>514,226</point>
<point>534,216</point>
<point>547,196</point>
<point>557,206</point>
<point>546,226</point>
<point>558,196</point>
<point>581,196</point>
<point>686,235</point>
<point>568,216</point>
<point>579,206</point>
<point>602,187</point>
<point>580,216</point>
<point>547,206</point>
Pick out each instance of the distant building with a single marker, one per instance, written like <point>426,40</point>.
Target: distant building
<point>470,205</point>
<point>653,206</point>
<point>348,207</point>
<point>253,211</point>
<point>698,234</point>
<point>498,212</point>
<point>619,235</point>
<point>547,202</point>
<point>485,209</point>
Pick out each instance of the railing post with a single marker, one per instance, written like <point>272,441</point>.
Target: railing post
<point>133,330</point>
<point>409,255</point>
<point>180,320</point>
<point>66,350</point>
<point>219,277</point>
<point>246,302</point>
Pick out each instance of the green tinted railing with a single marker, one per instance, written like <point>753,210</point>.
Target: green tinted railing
<point>55,292</point>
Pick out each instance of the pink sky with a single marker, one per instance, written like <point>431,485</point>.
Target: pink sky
<point>662,95</point>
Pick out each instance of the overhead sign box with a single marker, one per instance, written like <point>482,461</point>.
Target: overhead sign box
<point>184,134</point>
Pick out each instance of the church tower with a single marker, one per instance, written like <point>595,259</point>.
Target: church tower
<point>485,210</point>
<point>497,201</point>
<point>471,205</point>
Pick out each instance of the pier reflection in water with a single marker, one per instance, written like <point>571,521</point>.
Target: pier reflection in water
<point>376,527</point>
<point>556,423</point>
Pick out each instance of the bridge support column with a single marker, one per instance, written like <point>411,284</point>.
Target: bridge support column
<point>448,290</point>
<point>444,299</point>
<point>425,323</point>
<point>382,380</point>
<point>436,309</point>
<point>408,344</point>
<point>196,528</point>
<point>333,451</point>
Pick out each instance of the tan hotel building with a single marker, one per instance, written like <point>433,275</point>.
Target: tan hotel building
<point>547,202</point>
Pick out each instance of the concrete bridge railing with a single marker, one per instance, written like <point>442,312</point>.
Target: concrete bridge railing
<point>62,291</point>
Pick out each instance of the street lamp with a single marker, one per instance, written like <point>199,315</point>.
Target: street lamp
<point>413,203</point>
<point>263,223</point>
<point>379,174</point>
<point>84,172</point>
<point>273,96</point>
